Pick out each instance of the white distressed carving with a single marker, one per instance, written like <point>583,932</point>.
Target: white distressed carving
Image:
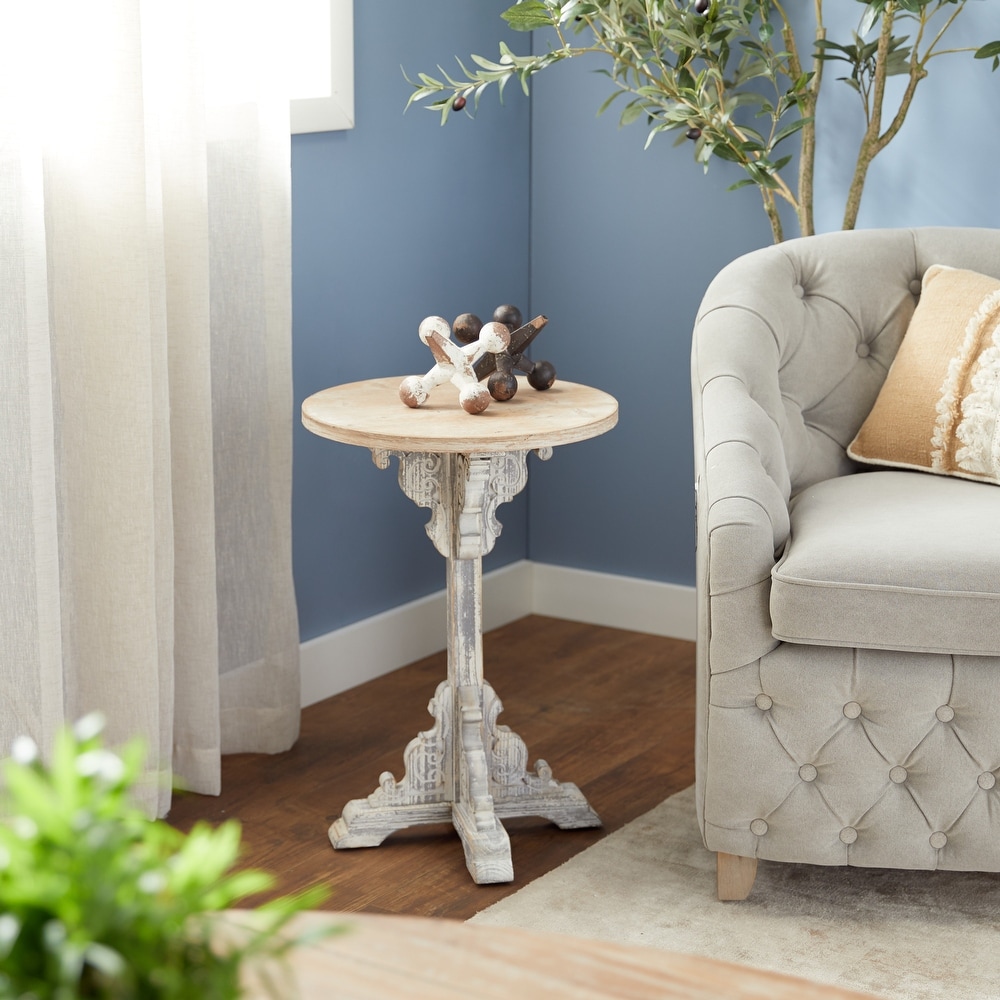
<point>462,492</point>
<point>466,767</point>
<point>422,477</point>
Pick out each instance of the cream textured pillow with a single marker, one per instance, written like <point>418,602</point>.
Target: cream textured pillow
<point>939,409</point>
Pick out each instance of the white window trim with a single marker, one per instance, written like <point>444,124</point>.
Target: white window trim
<point>336,110</point>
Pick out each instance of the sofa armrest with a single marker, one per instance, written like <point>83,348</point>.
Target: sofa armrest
<point>744,486</point>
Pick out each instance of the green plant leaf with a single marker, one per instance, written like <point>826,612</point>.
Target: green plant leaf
<point>989,51</point>
<point>609,101</point>
<point>870,16</point>
<point>790,130</point>
<point>97,900</point>
<point>724,152</point>
<point>633,111</point>
<point>529,15</point>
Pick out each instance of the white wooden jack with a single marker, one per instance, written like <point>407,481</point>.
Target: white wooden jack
<point>466,767</point>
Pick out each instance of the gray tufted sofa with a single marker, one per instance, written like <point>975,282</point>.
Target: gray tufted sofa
<point>849,617</point>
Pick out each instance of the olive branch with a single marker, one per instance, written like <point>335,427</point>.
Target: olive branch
<point>729,76</point>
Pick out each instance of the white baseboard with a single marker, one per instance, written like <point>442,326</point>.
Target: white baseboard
<point>615,601</point>
<point>375,646</point>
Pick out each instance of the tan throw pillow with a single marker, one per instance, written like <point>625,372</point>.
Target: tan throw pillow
<point>939,409</point>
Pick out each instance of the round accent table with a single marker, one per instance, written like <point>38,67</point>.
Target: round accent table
<point>466,768</point>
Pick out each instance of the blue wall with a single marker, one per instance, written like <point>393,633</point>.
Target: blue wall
<point>624,242</point>
<point>395,220</point>
<point>399,218</point>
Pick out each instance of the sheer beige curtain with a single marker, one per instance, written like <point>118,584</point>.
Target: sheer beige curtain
<point>145,391</point>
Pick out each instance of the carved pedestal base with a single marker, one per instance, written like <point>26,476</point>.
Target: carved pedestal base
<point>444,757</point>
<point>466,768</point>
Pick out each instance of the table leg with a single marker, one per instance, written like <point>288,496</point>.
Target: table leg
<point>487,849</point>
<point>466,768</point>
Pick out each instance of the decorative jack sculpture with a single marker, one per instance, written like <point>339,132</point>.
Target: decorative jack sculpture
<point>454,364</point>
<point>492,351</point>
<point>501,367</point>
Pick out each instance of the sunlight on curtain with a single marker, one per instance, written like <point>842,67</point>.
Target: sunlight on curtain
<point>145,391</point>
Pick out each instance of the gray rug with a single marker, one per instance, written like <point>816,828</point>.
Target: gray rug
<point>897,934</point>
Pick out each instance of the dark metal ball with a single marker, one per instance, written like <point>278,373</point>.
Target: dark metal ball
<point>510,315</point>
<point>466,328</point>
<point>502,386</point>
<point>542,375</point>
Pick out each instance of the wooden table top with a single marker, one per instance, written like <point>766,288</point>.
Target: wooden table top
<point>370,414</point>
<point>420,958</point>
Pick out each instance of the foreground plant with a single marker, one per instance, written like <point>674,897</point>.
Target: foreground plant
<point>97,900</point>
<point>731,76</point>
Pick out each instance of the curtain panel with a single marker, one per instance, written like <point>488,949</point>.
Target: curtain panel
<point>145,392</point>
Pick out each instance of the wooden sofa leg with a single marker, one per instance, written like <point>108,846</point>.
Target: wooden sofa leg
<point>735,875</point>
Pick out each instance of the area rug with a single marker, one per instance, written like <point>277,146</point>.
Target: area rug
<point>896,934</point>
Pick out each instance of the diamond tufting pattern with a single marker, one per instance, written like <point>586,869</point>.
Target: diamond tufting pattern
<point>901,749</point>
<point>828,750</point>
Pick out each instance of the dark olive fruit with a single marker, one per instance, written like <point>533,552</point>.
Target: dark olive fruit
<point>458,103</point>
<point>701,6</point>
<point>502,386</point>
<point>510,315</point>
<point>542,375</point>
<point>693,133</point>
<point>466,328</point>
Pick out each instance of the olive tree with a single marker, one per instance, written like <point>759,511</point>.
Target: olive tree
<point>737,79</point>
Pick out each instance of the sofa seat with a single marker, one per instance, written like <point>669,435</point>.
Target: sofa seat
<point>891,560</point>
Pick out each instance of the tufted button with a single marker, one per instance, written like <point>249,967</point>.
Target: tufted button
<point>915,286</point>
<point>763,702</point>
<point>863,350</point>
<point>938,840</point>
<point>799,291</point>
<point>758,827</point>
<point>945,713</point>
<point>848,835</point>
<point>986,780</point>
<point>897,775</point>
<point>807,772</point>
<point>852,710</point>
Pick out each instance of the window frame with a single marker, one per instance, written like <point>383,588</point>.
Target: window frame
<point>335,111</point>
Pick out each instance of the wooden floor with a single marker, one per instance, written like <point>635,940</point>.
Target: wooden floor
<point>611,711</point>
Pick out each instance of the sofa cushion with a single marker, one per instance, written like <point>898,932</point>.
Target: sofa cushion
<point>939,408</point>
<point>892,560</point>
